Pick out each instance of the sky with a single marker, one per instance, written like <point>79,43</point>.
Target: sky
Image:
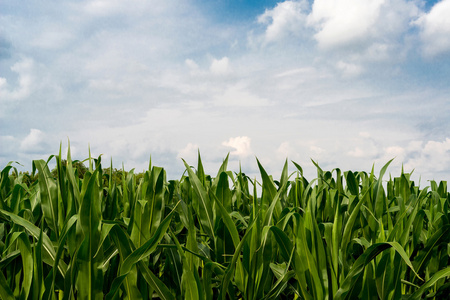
<point>346,83</point>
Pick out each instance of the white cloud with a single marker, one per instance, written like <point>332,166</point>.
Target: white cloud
<point>285,150</point>
<point>220,66</point>
<point>342,22</point>
<point>349,69</point>
<point>316,150</point>
<point>238,95</point>
<point>192,65</point>
<point>284,19</point>
<point>241,144</point>
<point>304,71</point>
<point>429,159</point>
<point>364,147</point>
<point>395,151</point>
<point>435,29</point>
<point>189,153</point>
<point>34,142</point>
<point>56,38</point>
<point>24,70</point>
<point>201,84</point>
<point>110,7</point>
<point>360,23</point>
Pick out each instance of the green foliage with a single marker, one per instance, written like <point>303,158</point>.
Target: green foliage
<point>81,232</point>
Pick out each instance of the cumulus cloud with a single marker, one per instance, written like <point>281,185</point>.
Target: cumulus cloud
<point>286,18</point>
<point>316,150</point>
<point>220,66</point>
<point>354,32</point>
<point>432,157</point>
<point>34,142</point>
<point>356,23</point>
<point>365,146</point>
<point>189,152</point>
<point>343,22</point>
<point>285,150</point>
<point>24,70</point>
<point>241,144</point>
<point>435,29</point>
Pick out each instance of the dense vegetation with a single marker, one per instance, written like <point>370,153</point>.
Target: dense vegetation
<point>92,233</point>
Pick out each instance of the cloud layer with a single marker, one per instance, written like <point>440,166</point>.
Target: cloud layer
<point>347,83</point>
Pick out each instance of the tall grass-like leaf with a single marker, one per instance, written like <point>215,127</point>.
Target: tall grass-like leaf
<point>46,242</point>
<point>124,246</point>
<point>346,237</point>
<point>49,195</point>
<point>269,214</point>
<point>156,196</point>
<point>5,291</point>
<point>222,168</point>
<point>306,262</point>
<point>206,213</point>
<point>349,287</point>
<point>230,226</point>
<point>38,277</point>
<point>64,234</point>
<point>191,290</point>
<point>222,197</point>
<point>231,267</point>
<point>74,188</point>
<point>437,276</point>
<point>377,195</point>
<point>64,204</point>
<point>136,256</point>
<point>442,234</point>
<point>90,278</point>
<point>268,191</point>
<point>27,262</point>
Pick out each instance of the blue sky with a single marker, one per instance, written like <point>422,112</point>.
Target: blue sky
<point>347,83</point>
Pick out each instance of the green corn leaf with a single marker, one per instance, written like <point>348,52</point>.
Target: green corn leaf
<point>444,273</point>
<point>73,182</point>
<point>306,258</point>
<point>136,257</point>
<point>5,291</point>
<point>442,234</point>
<point>231,267</point>
<point>191,290</point>
<point>349,287</point>
<point>64,234</point>
<point>154,282</point>
<point>38,277</point>
<point>124,246</point>
<point>90,278</point>
<point>206,213</point>
<point>346,237</point>
<point>377,195</point>
<point>284,243</point>
<point>46,242</point>
<point>49,195</point>
<point>27,262</point>
<point>222,168</point>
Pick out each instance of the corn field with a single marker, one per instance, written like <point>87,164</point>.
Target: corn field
<point>343,235</point>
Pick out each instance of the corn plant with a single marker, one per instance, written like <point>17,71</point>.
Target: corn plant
<point>343,235</point>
